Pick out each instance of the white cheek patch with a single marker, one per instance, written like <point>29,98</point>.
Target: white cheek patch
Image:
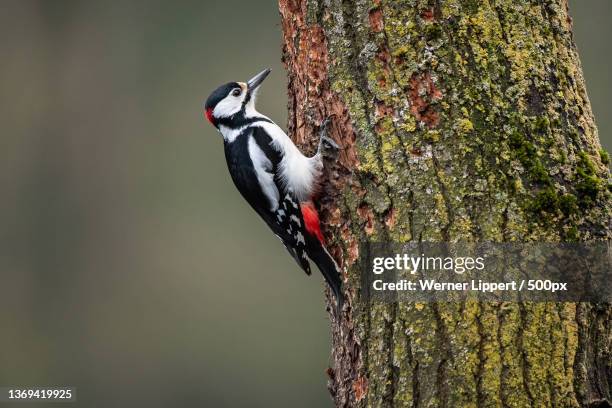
<point>229,105</point>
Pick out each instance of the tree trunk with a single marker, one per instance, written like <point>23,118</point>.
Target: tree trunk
<point>459,120</point>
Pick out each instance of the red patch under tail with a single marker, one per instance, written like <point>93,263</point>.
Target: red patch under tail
<point>311,220</point>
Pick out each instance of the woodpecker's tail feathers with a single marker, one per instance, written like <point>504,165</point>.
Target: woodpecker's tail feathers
<point>331,273</point>
<point>300,258</point>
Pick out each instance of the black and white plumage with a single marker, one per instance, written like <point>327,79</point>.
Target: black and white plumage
<point>273,176</point>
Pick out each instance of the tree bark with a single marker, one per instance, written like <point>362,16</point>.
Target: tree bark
<point>458,120</point>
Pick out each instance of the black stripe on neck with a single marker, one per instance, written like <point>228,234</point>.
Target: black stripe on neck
<point>239,120</point>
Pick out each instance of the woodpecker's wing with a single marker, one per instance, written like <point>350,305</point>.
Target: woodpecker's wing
<point>280,209</point>
<point>287,221</point>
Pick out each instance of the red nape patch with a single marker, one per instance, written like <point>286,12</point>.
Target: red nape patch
<point>209,115</point>
<point>311,220</point>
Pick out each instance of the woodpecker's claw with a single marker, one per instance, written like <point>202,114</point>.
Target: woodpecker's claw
<point>327,147</point>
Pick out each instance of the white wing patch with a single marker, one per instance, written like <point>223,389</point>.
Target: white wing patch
<point>296,220</point>
<point>263,170</point>
<point>300,238</point>
<point>288,215</point>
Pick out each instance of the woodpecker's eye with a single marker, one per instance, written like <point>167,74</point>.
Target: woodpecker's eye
<point>236,92</point>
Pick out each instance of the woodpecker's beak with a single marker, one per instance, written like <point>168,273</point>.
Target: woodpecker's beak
<point>254,82</point>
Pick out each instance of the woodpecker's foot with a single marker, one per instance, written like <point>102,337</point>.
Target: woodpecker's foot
<point>327,147</point>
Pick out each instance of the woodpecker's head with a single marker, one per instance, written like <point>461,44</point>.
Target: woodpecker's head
<point>233,102</point>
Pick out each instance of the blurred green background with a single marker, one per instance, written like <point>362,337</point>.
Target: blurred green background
<point>129,266</point>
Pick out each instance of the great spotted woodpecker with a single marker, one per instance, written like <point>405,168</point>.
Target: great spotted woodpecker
<point>274,177</point>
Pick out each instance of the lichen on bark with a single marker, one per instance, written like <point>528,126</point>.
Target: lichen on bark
<point>458,120</point>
